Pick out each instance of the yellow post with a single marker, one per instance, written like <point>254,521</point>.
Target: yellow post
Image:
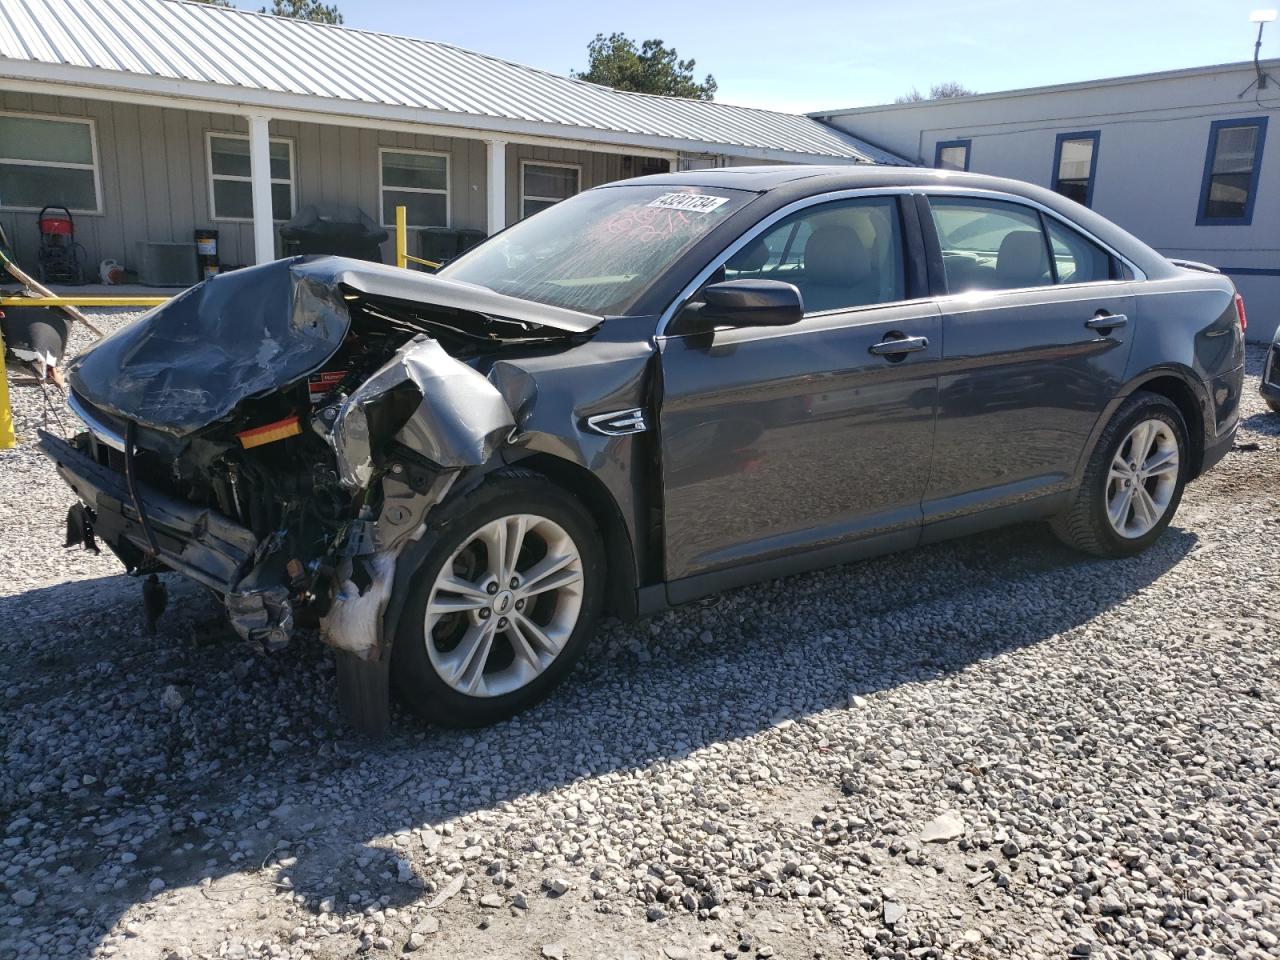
<point>7,437</point>
<point>77,301</point>
<point>402,238</point>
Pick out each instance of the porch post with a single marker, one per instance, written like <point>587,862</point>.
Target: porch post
<point>496,180</point>
<point>673,164</point>
<point>264,228</point>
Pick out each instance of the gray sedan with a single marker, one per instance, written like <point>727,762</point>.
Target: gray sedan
<point>645,394</point>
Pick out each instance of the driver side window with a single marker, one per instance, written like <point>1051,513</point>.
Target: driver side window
<point>842,254</point>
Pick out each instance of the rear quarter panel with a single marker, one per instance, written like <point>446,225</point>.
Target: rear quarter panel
<point>1187,326</point>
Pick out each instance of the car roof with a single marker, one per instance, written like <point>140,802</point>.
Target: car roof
<point>762,179</point>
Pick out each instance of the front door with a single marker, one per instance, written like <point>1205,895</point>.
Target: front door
<point>782,441</point>
<point>1037,329</point>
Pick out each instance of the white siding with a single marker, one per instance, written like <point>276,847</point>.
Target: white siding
<point>1150,164</point>
<point>155,178</point>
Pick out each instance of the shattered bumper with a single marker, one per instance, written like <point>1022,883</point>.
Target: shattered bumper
<point>191,539</point>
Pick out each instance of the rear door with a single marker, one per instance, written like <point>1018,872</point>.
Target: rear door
<point>1037,326</point>
<point>778,442</point>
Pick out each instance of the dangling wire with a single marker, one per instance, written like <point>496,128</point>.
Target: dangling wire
<point>51,407</point>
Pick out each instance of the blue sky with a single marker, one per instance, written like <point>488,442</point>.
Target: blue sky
<point>820,54</point>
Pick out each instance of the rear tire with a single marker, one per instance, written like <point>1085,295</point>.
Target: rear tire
<point>1133,483</point>
<point>486,633</point>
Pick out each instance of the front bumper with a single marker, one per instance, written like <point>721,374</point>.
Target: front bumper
<point>192,539</point>
<point>1271,374</point>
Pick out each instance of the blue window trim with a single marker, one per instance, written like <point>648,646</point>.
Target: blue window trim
<point>943,144</point>
<point>1251,271</point>
<point>1207,179</point>
<point>1096,137</point>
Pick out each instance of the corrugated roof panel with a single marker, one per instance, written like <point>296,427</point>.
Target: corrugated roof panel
<point>228,48</point>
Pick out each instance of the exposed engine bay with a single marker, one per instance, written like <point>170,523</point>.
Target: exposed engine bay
<point>280,433</point>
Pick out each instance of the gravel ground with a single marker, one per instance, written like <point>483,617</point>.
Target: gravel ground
<point>986,748</point>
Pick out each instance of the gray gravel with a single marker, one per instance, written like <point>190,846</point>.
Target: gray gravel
<point>987,748</point>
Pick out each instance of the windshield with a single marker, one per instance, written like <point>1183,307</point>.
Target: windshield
<point>598,251</point>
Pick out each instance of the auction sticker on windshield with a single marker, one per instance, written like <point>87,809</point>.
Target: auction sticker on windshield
<point>693,202</point>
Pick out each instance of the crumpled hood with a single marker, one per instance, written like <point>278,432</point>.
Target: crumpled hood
<point>191,361</point>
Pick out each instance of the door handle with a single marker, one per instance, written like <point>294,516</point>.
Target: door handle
<point>890,348</point>
<point>1106,321</point>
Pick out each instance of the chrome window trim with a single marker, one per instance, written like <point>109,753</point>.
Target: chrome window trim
<point>957,191</point>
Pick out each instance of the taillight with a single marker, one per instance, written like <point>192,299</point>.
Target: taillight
<point>1244,321</point>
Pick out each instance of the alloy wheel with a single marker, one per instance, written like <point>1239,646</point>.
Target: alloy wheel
<point>1143,478</point>
<point>504,605</point>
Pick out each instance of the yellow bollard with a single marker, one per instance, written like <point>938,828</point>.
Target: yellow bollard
<point>402,238</point>
<point>8,439</point>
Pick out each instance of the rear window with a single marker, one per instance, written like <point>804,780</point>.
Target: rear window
<point>597,252</point>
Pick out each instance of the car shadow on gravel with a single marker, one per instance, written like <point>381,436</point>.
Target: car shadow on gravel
<point>134,763</point>
<point>1267,423</point>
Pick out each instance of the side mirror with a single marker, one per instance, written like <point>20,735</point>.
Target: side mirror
<point>742,303</point>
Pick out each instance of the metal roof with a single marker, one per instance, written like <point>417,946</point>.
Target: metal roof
<point>232,51</point>
<point>1072,87</point>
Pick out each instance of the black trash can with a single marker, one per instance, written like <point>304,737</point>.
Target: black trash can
<point>340,231</point>
<point>438,244</point>
<point>469,238</point>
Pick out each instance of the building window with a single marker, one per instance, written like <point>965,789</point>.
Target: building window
<point>48,160</point>
<point>231,181</point>
<point>418,181</point>
<point>952,155</point>
<point>1231,169</point>
<point>545,184</point>
<point>1075,160</point>
<point>698,161</point>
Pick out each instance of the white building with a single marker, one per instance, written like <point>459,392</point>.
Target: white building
<point>1177,158</point>
<point>151,119</point>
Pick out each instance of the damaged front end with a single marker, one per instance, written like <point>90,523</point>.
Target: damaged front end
<point>281,433</point>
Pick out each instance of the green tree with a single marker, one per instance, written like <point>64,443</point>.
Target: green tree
<point>312,10</point>
<point>939,91</point>
<point>615,61</point>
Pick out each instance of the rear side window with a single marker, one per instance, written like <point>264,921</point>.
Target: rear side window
<point>996,245</point>
<point>1077,259</point>
<point>990,244</point>
<point>847,253</point>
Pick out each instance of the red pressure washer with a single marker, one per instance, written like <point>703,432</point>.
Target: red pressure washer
<point>61,259</point>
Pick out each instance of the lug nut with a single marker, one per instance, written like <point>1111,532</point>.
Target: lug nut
<point>519,604</point>
<point>515,582</point>
<point>502,623</point>
<point>484,613</point>
<point>491,588</point>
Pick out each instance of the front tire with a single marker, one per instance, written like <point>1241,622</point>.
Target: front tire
<point>503,606</point>
<point>1134,481</point>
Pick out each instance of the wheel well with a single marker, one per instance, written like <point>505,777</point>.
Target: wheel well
<point>1184,398</point>
<point>621,581</point>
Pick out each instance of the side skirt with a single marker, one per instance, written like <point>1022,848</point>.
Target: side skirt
<point>717,581</point>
